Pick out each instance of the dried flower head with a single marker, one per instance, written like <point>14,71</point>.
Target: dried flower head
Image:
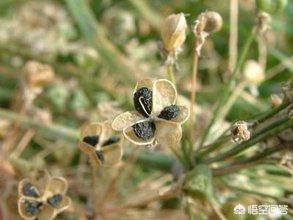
<point>253,72</point>
<point>263,21</point>
<point>98,141</point>
<point>211,21</point>
<point>157,118</point>
<point>38,75</point>
<point>173,31</point>
<point>240,132</point>
<point>42,200</point>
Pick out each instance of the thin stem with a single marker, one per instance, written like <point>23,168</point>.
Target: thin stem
<point>266,115</point>
<point>265,133</point>
<point>242,163</point>
<point>233,39</point>
<point>170,73</point>
<point>227,93</point>
<point>193,94</point>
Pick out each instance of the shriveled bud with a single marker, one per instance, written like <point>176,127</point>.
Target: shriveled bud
<point>287,89</point>
<point>173,31</point>
<point>253,72</point>
<point>37,74</point>
<point>271,6</point>
<point>212,21</point>
<point>276,100</point>
<point>240,132</point>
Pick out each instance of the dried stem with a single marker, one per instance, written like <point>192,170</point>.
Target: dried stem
<point>233,39</point>
<point>170,73</point>
<point>193,93</point>
<point>265,133</point>
<point>229,90</point>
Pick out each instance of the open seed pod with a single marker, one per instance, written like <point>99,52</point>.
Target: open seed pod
<point>42,200</point>
<point>157,118</point>
<point>98,141</point>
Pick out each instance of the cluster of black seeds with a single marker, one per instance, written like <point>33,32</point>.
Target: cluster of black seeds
<point>33,207</point>
<point>143,96</point>
<point>55,200</point>
<point>144,130</point>
<point>91,140</point>
<point>170,112</point>
<point>30,190</point>
<point>100,156</point>
<point>111,140</point>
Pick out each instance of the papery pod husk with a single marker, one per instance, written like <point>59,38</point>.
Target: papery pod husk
<point>271,6</point>
<point>198,183</point>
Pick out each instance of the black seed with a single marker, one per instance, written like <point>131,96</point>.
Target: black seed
<point>30,190</point>
<point>143,99</point>
<point>111,140</point>
<point>91,140</point>
<point>144,130</point>
<point>170,112</point>
<point>33,207</point>
<point>55,200</point>
<point>100,155</point>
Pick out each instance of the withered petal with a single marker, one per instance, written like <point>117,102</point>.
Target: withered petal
<point>91,129</point>
<point>164,94</point>
<point>47,213</point>
<point>57,185</point>
<point>113,154</point>
<point>144,83</point>
<point>106,132</point>
<point>168,134</point>
<point>126,119</point>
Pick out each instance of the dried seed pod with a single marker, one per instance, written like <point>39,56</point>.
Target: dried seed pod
<point>33,207</point>
<point>38,75</point>
<point>142,99</point>
<point>212,21</point>
<point>271,6</point>
<point>253,72</point>
<point>173,31</point>
<point>144,130</point>
<point>170,112</point>
<point>240,132</point>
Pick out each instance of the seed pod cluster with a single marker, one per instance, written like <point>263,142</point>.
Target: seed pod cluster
<point>173,31</point>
